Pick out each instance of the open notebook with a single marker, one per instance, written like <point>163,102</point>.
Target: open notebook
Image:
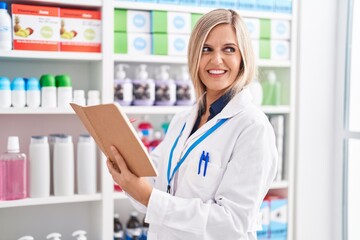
<point>109,125</point>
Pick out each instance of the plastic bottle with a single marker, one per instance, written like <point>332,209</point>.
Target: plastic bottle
<point>118,228</point>
<point>33,94</point>
<point>5,28</point>
<point>18,95</point>
<point>156,141</point>
<point>63,166</point>
<point>256,92</point>
<point>52,139</point>
<point>64,90</point>
<point>39,163</point>
<point>143,87</point>
<point>54,236</point>
<point>271,90</point>
<point>13,172</point>
<point>79,97</point>
<point>5,92</point>
<point>145,228</point>
<point>48,91</point>
<point>133,227</point>
<point>123,88</point>
<point>79,235</point>
<point>86,165</point>
<point>165,88</point>
<point>146,128</point>
<point>185,92</point>
<point>93,97</point>
<point>26,238</point>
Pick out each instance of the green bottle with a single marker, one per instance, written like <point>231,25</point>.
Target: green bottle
<point>271,90</point>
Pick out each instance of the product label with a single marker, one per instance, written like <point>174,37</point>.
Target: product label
<point>134,232</point>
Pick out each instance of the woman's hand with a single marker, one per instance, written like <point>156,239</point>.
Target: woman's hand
<point>137,187</point>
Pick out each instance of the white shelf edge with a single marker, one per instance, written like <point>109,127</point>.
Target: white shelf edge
<point>196,9</point>
<point>86,3</point>
<point>279,185</point>
<point>120,196</point>
<point>281,109</point>
<point>39,110</point>
<point>49,55</point>
<point>155,109</point>
<point>50,200</point>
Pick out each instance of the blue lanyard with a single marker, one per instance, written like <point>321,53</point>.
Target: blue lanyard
<point>199,140</point>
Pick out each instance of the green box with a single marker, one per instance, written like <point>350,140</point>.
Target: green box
<point>159,21</point>
<point>120,20</point>
<point>120,42</point>
<point>194,18</point>
<point>265,28</point>
<point>160,44</point>
<point>265,51</point>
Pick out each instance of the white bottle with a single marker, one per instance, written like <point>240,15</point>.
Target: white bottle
<point>93,97</point>
<point>5,92</point>
<point>39,160</point>
<point>48,91</point>
<point>165,88</point>
<point>123,88</point>
<point>143,87</point>
<point>18,95</point>
<point>64,90</point>
<point>5,28</point>
<point>256,92</point>
<point>86,165</point>
<point>33,95</point>
<point>185,92</point>
<point>79,234</point>
<point>54,236</point>
<point>79,97</point>
<point>63,166</point>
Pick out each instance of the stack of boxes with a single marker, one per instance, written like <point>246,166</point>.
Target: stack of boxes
<point>152,32</point>
<point>271,38</point>
<point>44,28</point>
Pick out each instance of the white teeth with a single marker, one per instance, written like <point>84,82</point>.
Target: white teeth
<point>216,71</point>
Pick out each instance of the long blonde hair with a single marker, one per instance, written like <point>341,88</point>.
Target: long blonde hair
<point>198,36</point>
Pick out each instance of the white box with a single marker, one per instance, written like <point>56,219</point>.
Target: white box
<point>280,29</point>
<point>280,50</point>
<point>138,21</point>
<point>179,23</point>
<point>253,26</point>
<point>139,43</point>
<point>178,44</point>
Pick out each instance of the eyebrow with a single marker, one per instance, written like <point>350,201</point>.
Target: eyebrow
<point>226,44</point>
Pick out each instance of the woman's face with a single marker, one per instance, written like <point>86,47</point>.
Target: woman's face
<point>220,59</point>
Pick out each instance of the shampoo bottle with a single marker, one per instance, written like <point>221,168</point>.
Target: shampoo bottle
<point>143,87</point>
<point>165,88</point>
<point>271,90</point>
<point>123,87</point>
<point>133,227</point>
<point>118,228</point>
<point>5,28</point>
<point>185,92</point>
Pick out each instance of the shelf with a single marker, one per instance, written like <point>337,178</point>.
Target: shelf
<point>120,195</point>
<point>195,9</point>
<point>155,109</point>
<point>50,200</point>
<point>281,109</point>
<point>183,60</point>
<point>39,110</point>
<point>279,185</point>
<point>85,3</point>
<point>45,55</point>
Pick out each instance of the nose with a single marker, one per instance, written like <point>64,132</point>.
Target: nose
<point>216,57</point>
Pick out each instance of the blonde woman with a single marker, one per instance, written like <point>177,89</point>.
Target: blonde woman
<point>218,159</point>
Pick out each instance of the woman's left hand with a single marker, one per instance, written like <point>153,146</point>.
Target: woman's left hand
<point>137,187</point>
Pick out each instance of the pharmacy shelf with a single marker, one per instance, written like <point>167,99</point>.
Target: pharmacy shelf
<point>183,60</point>
<point>39,110</point>
<point>46,55</point>
<point>50,200</point>
<point>196,9</point>
<point>120,196</point>
<point>85,3</point>
<point>281,109</point>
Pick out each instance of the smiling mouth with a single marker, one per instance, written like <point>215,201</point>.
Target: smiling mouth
<point>216,72</point>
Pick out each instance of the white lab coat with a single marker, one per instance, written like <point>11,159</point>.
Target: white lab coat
<point>225,203</point>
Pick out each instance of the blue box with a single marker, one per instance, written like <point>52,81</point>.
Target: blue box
<point>278,218</point>
<point>189,2</point>
<point>227,4</point>
<point>168,1</point>
<point>265,5</point>
<point>283,6</point>
<point>208,3</point>
<point>247,4</point>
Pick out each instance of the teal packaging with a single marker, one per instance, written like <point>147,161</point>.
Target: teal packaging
<point>283,6</point>
<point>247,4</point>
<point>4,83</point>
<point>265,5</point>
<point>227,3</point>
<point>32,84</point>
<point>18,84</point>
<point>189,2</point>
<point>208,3</point>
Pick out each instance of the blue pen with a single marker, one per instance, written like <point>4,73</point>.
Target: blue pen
<point>206,163</point>
<point>200,161</point>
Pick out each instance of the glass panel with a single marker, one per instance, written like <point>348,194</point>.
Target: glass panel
<point>353,189</point>
<point>354,91</point>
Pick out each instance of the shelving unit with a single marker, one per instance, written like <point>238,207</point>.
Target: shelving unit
<point>94,213</point>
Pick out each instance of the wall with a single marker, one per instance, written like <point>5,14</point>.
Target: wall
<point>316,197</point>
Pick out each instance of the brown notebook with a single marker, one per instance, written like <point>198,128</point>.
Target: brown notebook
<point>109,125</point>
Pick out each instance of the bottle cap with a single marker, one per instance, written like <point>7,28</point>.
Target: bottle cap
<point>32,84</point>
<point>13,144</point>
<point>52,137</point>
<point>164,74</point>
<point>39,139</point>
<point>134,214</point>
<point>3,5</point>
<point>4,83</point>
<point>62,138</point>
<point>93,94</point>
<point>142,73</point>
<point>18,84</point>
<point>63,80</point>
<point>26,238</point>
<point>120,72</point>
<point>47,80</point>
<point>54,236</point>
<point>79,94</point>
<point>85,138</point>
<point>79,234</point>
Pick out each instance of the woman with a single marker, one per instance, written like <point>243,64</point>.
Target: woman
<point>217,160</point>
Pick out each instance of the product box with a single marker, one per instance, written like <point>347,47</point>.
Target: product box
<point>274,29</point>
<point>247,4</point>
<point>278,217</point>
<point>253,26</point>
<point>274,49</point>
<point>256,47</point>
<point>131,21</point>
<point>194,18</point>
<point>168,1</point>
<point>132,43</point>
<point>35,27</point>
<point>264,233</point>
<point>283,6</point>
<point>170,44</point>
<point>227,4</point>
<point>265,5</point>
<point>80,30</point>
<point>209,3</point>
<point>170,22</point>
<point>189,2</point>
